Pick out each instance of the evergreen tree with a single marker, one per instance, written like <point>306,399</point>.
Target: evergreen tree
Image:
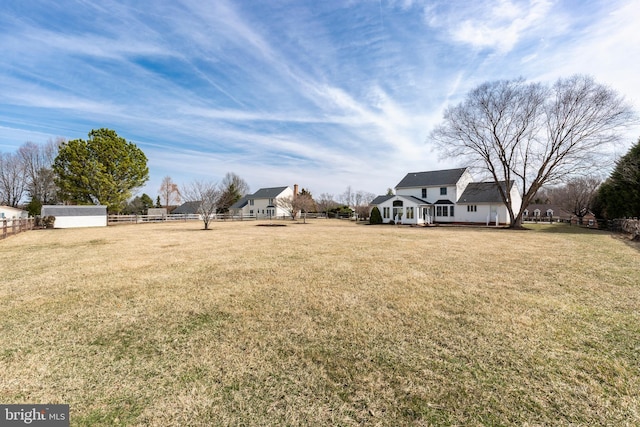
<point>104,169</point>
<point>376,217</point>
<point>619,196</point>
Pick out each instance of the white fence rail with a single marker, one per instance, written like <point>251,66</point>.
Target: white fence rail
<point>140,219</point>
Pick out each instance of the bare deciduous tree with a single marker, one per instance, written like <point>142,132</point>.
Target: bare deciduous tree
<point>577,195</point>
<point>12,179</point>
<point>325,202</point>
<point>304,203</point>
<point>287,204</point>
<point>208,195</point>
<point>362,201</point>
<point>38,161</point>
<point>532,134</point>
<point>169,192</point>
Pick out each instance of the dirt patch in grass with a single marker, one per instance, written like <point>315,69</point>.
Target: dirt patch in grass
<point>333,324</point>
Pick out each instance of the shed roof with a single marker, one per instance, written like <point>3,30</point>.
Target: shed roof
<point>70,210</point>
<point>431,178</point>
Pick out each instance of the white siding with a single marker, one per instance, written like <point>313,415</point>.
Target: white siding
<point>80,221</point>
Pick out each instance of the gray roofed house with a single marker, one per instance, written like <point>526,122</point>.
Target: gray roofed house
<point>446,196</point>
<point>431,178</point>
<point>263,203</point>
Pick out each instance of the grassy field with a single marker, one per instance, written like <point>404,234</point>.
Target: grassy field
<point>328,323</point>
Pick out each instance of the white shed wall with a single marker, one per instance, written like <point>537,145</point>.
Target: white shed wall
<point>80,221</point>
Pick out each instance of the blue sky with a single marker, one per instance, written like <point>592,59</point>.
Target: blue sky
<point>325,94</point>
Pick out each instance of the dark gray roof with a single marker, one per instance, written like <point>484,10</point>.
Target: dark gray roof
<point>240,203</point>
<point>381,199</point>
<point>444,202</point>
<point>69,210</point>
<point>482,192</point>
<point>187,208</point>
<point>267,193</point>
<point>431,178</point>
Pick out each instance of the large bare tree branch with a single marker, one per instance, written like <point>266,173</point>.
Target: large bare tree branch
<point>532,134</point>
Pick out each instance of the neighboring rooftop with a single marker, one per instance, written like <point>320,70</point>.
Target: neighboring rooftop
<point>187,208</point>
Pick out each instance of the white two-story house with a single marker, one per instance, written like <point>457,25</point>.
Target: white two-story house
<point>445,196</point>
<point>263,203</point>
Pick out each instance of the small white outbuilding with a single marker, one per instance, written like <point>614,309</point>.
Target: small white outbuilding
<point>76,216</point>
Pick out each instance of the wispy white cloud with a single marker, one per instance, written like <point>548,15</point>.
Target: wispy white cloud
<point>491,25</point>
<point>325,94</point>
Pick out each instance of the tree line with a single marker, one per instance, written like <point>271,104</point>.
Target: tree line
<point>106,169</point>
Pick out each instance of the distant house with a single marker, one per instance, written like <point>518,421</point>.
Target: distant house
<point>76,216</point>
<point>8,212</point>
<point>263,203</point>
<point>187,208</point>
<point>446,196</point>
<point>555,213</point>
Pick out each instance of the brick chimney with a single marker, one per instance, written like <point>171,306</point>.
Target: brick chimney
<point>295,190</point>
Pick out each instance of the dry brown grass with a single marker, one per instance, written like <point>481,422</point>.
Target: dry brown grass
<point>328,323</point>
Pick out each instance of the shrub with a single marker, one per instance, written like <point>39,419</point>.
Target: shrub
<point>376,217</point>
<point>48,221</point>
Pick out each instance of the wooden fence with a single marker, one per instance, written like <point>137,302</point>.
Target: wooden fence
<point>15,226</point>
<point>630,226</point>
<point>142,219</point>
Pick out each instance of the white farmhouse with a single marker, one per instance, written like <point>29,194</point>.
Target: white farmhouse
<point>263,203</point>
<point>446,196</point>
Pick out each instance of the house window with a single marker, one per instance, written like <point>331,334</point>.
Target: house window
<point>270,202</point>
<point>250,202</point>
<point>450,210</point>
<point>424,193</point>
<point>385,212</point>
<point>526,212</point>
<point>549,212</point>
<point>445,211</point>
<point>438,210</point>
<point>409,212</point>
<point>251,212</point>
<point>472,208</point>
<point>443,191</point>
